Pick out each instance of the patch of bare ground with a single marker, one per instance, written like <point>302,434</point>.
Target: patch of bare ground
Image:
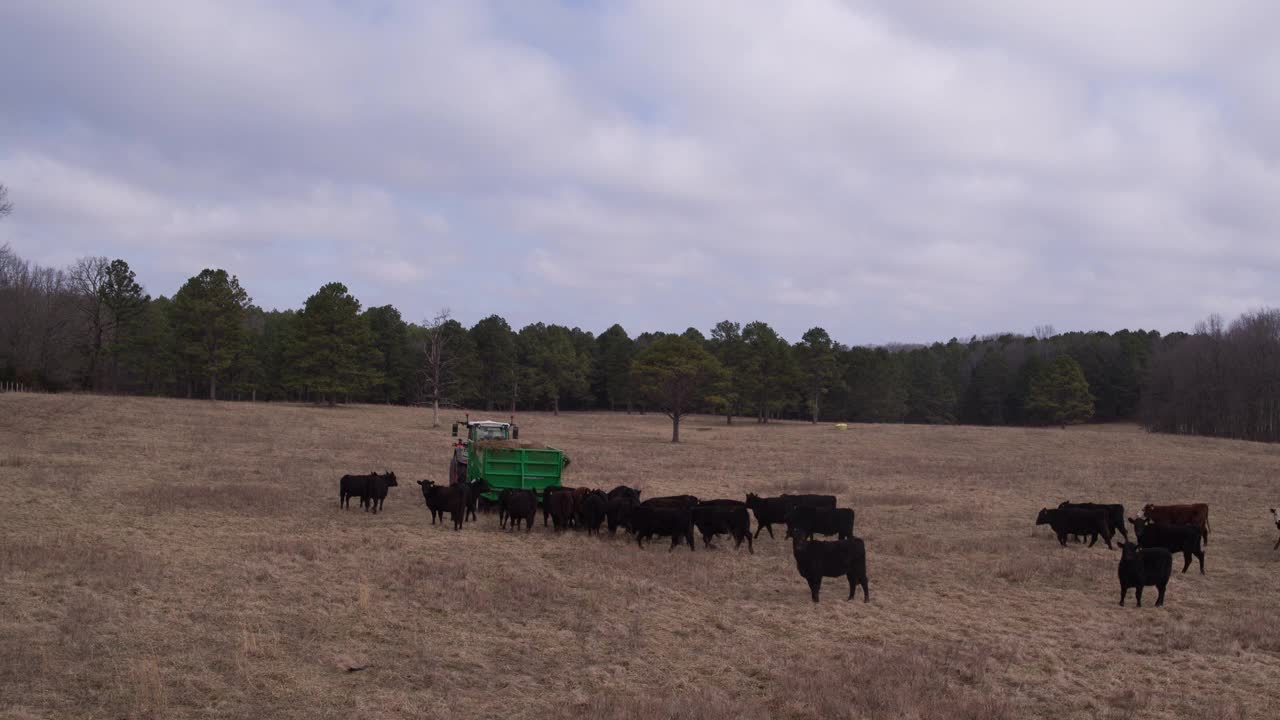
<point>166,558</point>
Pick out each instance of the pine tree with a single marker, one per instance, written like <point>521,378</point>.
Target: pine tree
<point>616,355</point>
<point>1060,394</point>
<point>332,351</point>
<point>208,314</point>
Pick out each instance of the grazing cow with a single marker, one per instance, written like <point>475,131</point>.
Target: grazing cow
<point>1141,568</point>
<point>443,499</point>
<point>559,506</point>
<point>354,486</point>
<point>1114,511</point>
<point>685,501</point>
<point>1069,521</point>
<point>816,559</point>
<point>1174,538</point>
<point>675,522</point>
<point>623,490</point>
<point>618,512</point>
<point>808,520</point>
<point>1193,514</point>
<point>521,505</point>
<point>591,511</point>
<point>547,492</point>
<point>1276,516</point>
<point>376,490</point>
<point>723,517</point>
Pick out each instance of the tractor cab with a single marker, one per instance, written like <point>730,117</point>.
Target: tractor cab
<point>478,430</point>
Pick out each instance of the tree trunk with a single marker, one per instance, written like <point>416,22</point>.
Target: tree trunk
<point>675,428</point>
<point>555,405</point>
<point>815,406</point>
<point>435,412</point>
<point>213,386</point>
<point>253,395</point>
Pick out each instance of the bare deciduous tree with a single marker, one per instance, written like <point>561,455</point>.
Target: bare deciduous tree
<point>88,278</point>
<point>440,360</point>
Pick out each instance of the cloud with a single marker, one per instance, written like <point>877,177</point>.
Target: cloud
<point>891,171</point>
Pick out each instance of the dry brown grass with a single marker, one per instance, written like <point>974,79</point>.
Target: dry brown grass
<point>167,558</point>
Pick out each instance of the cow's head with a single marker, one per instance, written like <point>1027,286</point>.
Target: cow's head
<point>1043,517</point>
<point>1139,524</point>
<point>753,499</point>
<point>426,484</point>
<point>1128,551</point>
<point>1275,516</point>
<point>798,543</point>
<point>390,477</point>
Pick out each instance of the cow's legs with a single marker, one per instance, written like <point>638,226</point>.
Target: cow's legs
<point>1160,595</point>
<point>815,584</point>
<point>1138,593</point>
<point>1124,591</point>
<point>1200,557</point>
<point>1186,556</point>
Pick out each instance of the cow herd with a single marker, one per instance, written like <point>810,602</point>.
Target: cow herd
<point>676,517</point>
<point>1160,532</point>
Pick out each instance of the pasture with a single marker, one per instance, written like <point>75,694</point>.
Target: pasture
<point>167,558</point>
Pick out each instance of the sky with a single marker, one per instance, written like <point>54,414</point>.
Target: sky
<point>902,171</point>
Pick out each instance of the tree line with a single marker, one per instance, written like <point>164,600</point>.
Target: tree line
<point>91,326</point>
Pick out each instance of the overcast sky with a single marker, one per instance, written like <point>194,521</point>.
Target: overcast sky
<point>896,171</point>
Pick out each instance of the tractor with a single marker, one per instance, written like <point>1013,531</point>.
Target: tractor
<point>493,453</point>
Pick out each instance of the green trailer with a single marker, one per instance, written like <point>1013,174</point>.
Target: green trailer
<point>494,454</point>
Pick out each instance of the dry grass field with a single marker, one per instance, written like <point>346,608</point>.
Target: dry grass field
<point>177,559</point>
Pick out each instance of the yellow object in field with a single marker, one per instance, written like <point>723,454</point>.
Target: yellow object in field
<point>842,426</point>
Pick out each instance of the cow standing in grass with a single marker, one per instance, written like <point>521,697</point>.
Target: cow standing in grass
<point>1143,567</point>
<point>376,490</point>
<point>816,559</point>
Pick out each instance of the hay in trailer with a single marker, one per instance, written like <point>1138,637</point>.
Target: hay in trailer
<point>496,444</point>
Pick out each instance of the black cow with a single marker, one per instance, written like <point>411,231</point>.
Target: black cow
<point>443,499</point>
<point>376,490</point>
<point>474,491</point>
<point>767,511</point>
<point>809,521</point>
<point>727,517</point>
<point>547,492</point>
<point>816,559</point>
<point>521,505</point>
<point>828,501</point>
<point>623,490</point>
<point>559,506</point>
<point>354,486</point>
<point>1174,538</point>
<point>675,522</point>
<point>685,501</point>
<point>591,511</point>
<point>1114,512</point>
<point>1070,521</point>
<point>618,512</point>
<point>1144,567</point>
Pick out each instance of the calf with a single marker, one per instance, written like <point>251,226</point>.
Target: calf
<point>1141,568</point>
<point>354,486</point>
<point>673,522</point>
<point>618,512</point>
<point>727,517</point>
<point>1114,512</point>
<point>591,511</point>
<point>376,490</point>
<point>521,505</point>
<point>767,511</point>
<point>547,492</point>
<point>559,506</point>
<point>1193,514</point>
<point>1174,538</point>
<point>1070,521</point>
<point>1276,516</point>
<point>816,559</point>
<point>807,521</point>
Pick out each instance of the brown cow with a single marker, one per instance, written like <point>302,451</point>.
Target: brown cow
<point>1196,514</point>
